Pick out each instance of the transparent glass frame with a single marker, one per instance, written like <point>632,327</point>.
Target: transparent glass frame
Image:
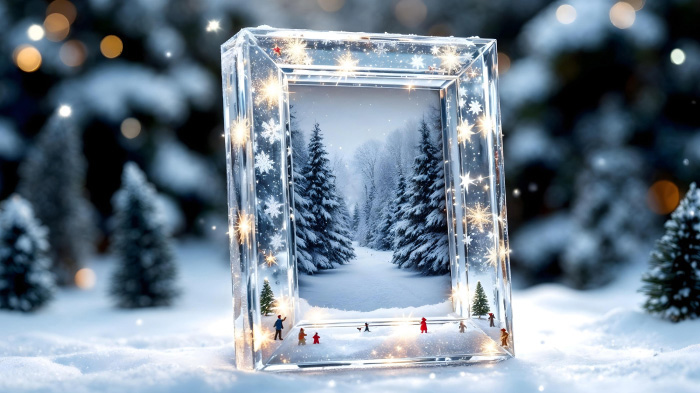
<point>258,66</point>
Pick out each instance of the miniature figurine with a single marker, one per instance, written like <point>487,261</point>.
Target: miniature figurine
<point>504,338</point>
<point>462,326</point>
<point>491,318</point>
<point>279,327</point>
<point>316,337</point>
<point>302,337</point>
<point>367,327</point>
<point>423,326</point>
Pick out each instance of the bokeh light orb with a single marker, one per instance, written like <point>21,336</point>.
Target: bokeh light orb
<point>57,27</point>
<point>503,63</point>
<point>131,128</point>
<point>410,13</point>
<point>27,58</point>
<point>663,197</point>
<point>677,56</point>
<point>331,5</point>
<point>65,110</point>
<point>73,53</point>
<point>111,46</point>
<point>85,278</point>
<point>566,14</point>
<point>35,32</point>
<point>63,7</point>
<point>622,15</point>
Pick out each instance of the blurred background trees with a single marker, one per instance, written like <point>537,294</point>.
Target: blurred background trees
<point>599,100</point>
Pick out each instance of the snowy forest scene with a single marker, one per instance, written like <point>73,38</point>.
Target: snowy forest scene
<point>116,226</point>
<point>369,152</point>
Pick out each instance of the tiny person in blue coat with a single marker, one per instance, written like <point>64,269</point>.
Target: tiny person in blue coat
<point>279,327</point>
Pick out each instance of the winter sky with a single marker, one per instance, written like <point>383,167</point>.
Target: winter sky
<point>351,116</point>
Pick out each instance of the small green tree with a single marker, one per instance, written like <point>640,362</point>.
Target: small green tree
<point>672,284</point>
<point>267,299</point>
<point>480,306</point>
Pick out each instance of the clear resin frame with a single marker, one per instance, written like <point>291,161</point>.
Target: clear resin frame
<point>267,73</point>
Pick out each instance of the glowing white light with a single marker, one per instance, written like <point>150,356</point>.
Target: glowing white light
<point>65,111</point>
<point>213,26</point>
<point>35,32</point>
<point>566,14</point>
<point>677,56</point>
<point>622,15</point>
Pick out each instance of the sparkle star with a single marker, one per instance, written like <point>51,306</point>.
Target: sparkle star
<point>467,181</point>
<point>213,26</point>
<point>417,62</point>
<point>464,131</point>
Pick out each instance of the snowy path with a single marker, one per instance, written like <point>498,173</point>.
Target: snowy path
<point>371,281</point>
<point>566,341</point>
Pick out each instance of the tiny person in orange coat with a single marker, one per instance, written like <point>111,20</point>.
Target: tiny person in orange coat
<point>423,326</point>
<point>504,338</point>
<point>302,337</point>
<point>316,338</point>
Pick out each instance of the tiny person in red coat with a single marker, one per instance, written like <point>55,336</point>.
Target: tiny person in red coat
<point>316,337</point>
<point>491,318</point>
<point>423,326</point>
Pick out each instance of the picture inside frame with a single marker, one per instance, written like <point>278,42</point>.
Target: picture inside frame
<point>372,248</point>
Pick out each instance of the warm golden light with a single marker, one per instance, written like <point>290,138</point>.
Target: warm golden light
<point>73,53</point>
<point>464,131</point>
<point>244,227</point>
<point>347,64</point>
<point>261,337</point>
<point>270,259</point>
<point>490,348</point>
<point>295,52</point>
<point>27,58</point>
<point>283,305</point>
<point>472,72</point>
<point>622,15</point>
<point>478,216</point>
<point>85,278</point>
<point>410,13</point>
<point>486,124</point>
<point>270,92</point>
<point>63,7</point>
<point>493,256</point>
<point>111,46</point>
<point>239,131</point>
<point>56,26</point>
<point>449,59</point>
<point>131,128</point>
<point>663,197</point>
<point>503,63</point>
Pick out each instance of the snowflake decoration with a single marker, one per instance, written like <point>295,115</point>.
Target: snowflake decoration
<point>462,102</point>
<point>263,162</point>
<point>381,49</point>
<point>462,91</point>
<point>435,50</point>
<point>271,131</point>
<point>276,241</point>
<point>468,240</point>
<point>417,62</point>
<point>474,107</point>
<point>273,208</point>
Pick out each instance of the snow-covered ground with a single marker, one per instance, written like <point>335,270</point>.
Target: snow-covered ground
<point>566,341</point>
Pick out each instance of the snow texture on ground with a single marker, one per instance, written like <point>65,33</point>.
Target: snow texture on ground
<point>370,282</point>
<point>566,341</point>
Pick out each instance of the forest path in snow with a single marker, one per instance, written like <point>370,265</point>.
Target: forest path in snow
<point>371,281</point>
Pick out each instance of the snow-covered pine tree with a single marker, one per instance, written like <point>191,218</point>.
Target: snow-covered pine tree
<point>26,281</point>
<point>382,236</point>
<point>146,272</point>
<point>267,299</point>
<point>355,219</point>
<point>332,243</point>
<point>480,305</point>
<point>422,231</point>
<point>52,179</point>
<point>399,208</point>
<point>672,284</point>
<point>303,219</point>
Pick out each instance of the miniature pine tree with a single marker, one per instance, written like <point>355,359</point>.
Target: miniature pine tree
<point>26,281</point>
<point>145,276</point>
<point>52,179</point>
<point>480,306</point>
<point>672,284</point>
<point>267,299</point>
